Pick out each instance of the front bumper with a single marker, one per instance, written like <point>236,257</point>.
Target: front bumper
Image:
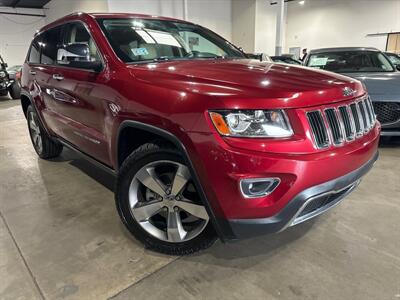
<point>306,205</point>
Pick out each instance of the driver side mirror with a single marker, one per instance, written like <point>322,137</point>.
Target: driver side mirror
<point>77,55</point>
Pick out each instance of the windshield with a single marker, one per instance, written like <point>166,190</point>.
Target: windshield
<point>395,59</point>
<point>350,61</point>
<point>136,40</point>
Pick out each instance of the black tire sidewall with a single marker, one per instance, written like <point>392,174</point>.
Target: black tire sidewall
<point>130,167</point>
<point>28,113</point>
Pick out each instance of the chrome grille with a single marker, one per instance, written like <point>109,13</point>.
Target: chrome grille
<point>335,125</point>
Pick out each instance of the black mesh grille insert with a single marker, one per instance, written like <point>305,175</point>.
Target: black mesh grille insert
<point>387,112</point>
<point>318,128</point>
<point>322,201</point>
<point>334,125</point>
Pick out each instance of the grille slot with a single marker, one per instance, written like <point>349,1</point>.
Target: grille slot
<point>387,112</point>
<point>318,128</point>
<point>356,118</point>
<point>334,126</point>
<point>347,123</point>
<point>363,116</point>
<point>339,124</point>
<point>369,114</point>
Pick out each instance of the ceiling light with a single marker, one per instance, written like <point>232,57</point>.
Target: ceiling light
<point>302,2</point>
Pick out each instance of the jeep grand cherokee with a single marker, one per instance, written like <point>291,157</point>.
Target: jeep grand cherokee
<point>204,142</point>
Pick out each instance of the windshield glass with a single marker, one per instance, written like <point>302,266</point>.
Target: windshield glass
<point>350,61</point>
<point>136,40</point>
<point>395,59</point>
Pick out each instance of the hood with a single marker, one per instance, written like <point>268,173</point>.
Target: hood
<point>382,86</point>
<point>252,80</point>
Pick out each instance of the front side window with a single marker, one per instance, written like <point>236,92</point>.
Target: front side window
<point>350,61</point>
<point>50,41</point>
<point>77,33</point>
<point>136,40</point>
<point>34,52</point>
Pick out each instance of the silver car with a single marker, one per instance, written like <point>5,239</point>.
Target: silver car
<point>373,67</point>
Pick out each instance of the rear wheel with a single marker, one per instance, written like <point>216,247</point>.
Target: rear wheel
<point>159,204</point>
<point>44,146</point>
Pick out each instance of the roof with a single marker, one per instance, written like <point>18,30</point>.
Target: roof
<point>340,49</point>
<point>129,15</point>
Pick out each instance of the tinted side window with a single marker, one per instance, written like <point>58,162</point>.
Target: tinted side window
<point>77,33</point>
<point>50,42</point>
<point>34,52</point>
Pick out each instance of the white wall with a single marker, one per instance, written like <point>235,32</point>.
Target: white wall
<point>243,25</point>
<point>213,14</point>
<point>327,23</point>
<point>266,15</point>
<point>56,9</point>
<point>16,33</point>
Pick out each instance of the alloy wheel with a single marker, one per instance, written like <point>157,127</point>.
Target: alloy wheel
<point>165,203</point>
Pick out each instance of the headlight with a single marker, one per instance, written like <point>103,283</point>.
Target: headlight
<point>252,123</point>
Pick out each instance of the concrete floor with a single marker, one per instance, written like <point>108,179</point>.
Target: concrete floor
<point>61,238</point>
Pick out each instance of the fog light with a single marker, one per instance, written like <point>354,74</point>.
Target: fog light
<point>258,187</point>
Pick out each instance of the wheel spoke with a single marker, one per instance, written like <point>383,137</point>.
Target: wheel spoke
<point>196,210</point>
<point>175,231</point>
<point>148,177</point>
<point>181,178</point>
<point>144,212</point>
<point>33,125</point>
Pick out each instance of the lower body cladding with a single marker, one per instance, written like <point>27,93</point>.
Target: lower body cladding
<point>306,205</point>
<point>297,186</point>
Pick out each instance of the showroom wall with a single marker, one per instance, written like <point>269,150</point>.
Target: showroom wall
<point>58,8</point>
<point>214,14</point>
<point>326,23</point>
<point>16,34</point>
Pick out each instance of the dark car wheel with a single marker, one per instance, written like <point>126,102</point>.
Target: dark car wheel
<point>158,202</point>
<point>44,146</point>
<point>15,90</point>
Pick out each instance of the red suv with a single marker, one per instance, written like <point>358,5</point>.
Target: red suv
<point>204,142</point>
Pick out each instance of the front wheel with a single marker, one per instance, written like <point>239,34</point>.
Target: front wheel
<point>159,204</point>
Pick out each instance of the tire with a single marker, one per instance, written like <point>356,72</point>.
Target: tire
<point>15,90</point>
<point>43,144</point>
<point>3,93</point>
<point>156,216</point>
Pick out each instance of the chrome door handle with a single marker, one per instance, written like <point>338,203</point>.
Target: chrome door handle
<point>32,72</point>
<point>58,77</point>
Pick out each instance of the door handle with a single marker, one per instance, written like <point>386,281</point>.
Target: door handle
<point>32,72</point>
<point>58,77</point>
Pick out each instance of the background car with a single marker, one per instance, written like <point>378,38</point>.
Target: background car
<point>375,70</point>
<point>394,58</point>
<point>14,72</point>
<point>286,60</point>
<point>7,84</point>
